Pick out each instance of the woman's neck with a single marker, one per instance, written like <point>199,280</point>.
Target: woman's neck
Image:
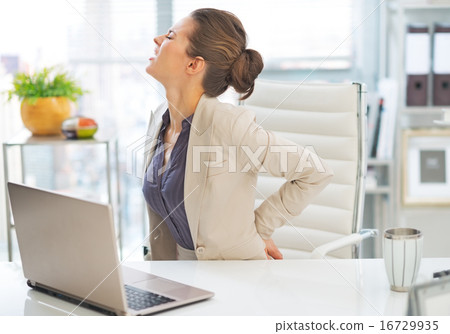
<point>182,104</point>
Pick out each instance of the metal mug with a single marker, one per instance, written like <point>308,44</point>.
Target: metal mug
<point>402,252</point>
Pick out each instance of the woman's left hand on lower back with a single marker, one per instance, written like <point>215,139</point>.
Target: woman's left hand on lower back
<point>272,250</point>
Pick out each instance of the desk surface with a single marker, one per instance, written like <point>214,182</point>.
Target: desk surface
<point>289,287</point>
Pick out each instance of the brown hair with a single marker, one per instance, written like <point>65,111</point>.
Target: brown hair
<point>221,40</point>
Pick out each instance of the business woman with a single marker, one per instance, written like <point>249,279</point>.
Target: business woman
<point>203,156</point>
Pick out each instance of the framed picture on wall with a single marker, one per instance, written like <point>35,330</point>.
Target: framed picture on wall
<point>426,167</point>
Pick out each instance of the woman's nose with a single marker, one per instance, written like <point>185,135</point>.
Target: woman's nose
<point>158,39</point>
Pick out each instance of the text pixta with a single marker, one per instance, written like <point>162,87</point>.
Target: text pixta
<point>304,326</point>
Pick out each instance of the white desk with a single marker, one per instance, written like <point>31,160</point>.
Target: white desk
<point>289,287</point>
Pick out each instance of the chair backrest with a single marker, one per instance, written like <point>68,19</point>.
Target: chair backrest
<point>330,118</point>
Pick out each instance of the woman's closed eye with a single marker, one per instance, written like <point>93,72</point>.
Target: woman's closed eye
<point>170,34</point>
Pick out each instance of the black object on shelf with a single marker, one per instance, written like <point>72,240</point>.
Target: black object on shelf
<point>373,152</point>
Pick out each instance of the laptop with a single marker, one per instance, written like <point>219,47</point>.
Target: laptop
<point>430,298</point>
<point>68,249</point>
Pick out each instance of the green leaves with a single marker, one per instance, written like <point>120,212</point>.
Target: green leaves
<point>45,83</point>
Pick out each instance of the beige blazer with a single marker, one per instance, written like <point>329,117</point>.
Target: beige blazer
<point>226,151</point>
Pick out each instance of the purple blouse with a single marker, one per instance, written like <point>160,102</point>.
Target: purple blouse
<point>164,188</point>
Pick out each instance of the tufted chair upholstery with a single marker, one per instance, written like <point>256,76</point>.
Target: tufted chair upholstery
<point>331,119</point>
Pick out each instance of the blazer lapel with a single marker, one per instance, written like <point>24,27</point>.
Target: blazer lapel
<point>151,139</point>
<point>196,170</point>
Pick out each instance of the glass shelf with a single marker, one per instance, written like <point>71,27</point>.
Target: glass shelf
<point>424,110</point>
<point>378,190</point>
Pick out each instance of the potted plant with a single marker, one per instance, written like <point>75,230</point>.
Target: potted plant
<point>45,97</point>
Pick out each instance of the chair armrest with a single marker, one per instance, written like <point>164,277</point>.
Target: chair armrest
<point>351,239</point>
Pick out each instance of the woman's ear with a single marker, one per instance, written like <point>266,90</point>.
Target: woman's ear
<point>196,65</point>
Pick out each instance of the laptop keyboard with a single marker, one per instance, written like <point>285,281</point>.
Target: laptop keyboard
<point>138,299</point>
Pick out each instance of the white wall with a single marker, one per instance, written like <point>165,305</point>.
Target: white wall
<point>435,226</point>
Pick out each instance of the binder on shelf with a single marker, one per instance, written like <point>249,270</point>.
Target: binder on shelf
<point>376,130</point>
<point>417,64</point>
<point>387,89</point>
<point>372,118</point>
<point>441,65</point>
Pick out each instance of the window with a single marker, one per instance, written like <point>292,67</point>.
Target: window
<point>290,34</point>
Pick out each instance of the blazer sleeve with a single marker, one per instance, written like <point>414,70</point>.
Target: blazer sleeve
<point>262,151</point>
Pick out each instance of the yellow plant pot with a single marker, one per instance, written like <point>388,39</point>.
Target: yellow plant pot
<point>45,116</point>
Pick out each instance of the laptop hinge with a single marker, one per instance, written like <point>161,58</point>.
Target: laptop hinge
<point>72,299</point>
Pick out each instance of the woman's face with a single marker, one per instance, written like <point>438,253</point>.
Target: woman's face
<point>171,60</point>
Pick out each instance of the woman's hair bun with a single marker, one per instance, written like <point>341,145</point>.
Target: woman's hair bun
<point>220,38</point>
<point>244,71</point>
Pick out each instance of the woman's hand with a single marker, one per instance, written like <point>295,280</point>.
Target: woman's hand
<point>272,250</point>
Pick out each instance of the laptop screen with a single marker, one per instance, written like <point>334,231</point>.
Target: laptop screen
<point>431,298</point>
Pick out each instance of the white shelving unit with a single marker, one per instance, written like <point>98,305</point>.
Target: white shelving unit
<point>383,208</point>
<point>379,208</point>
<point>399,14</point>
<point>16,170</point>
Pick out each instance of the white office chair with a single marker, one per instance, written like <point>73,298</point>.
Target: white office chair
<point>331,119</point>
